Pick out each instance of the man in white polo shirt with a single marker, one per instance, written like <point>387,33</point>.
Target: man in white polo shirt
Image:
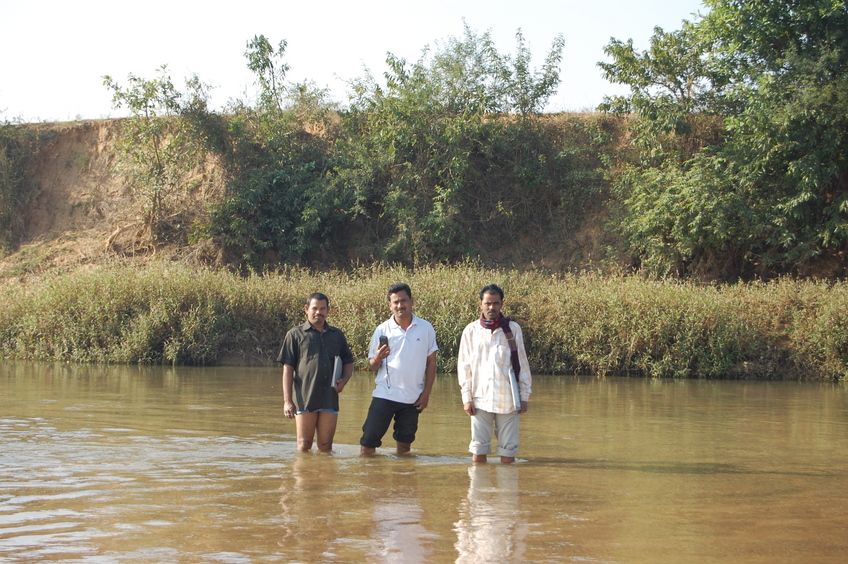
<point>403,353</point>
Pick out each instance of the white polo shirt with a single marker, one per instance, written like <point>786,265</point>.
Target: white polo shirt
<point>401,376</point>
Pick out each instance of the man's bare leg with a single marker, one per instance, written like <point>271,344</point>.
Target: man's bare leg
<point>507,459</point>
<point>367,450</point>
<point>479,458</point>
<point>403,448</point>
<point>305,424</point>
<point>326,430</point>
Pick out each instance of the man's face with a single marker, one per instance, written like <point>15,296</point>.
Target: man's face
<point>316,312</point>
<point>491,305</point>
<point>401,305</point>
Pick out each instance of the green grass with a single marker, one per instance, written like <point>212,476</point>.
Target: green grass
<point>169,313</point>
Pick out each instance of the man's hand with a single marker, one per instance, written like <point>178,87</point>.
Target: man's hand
<point>422,402</point>
<point>469,408</point>
<point>381,353</point>
<point>523,408</point>
<point>289,409</point>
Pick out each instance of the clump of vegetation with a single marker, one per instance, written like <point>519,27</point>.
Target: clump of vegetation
<point>168,313</point>
<point>740,166</point>
<point>18,149</point>
<point>159,151</point>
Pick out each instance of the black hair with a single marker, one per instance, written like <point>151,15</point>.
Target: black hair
<point>317,296</point>
<point>491,289</point>
<point>399,287</point>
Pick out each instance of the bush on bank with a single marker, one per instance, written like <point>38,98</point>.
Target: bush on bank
<point>172,314</point>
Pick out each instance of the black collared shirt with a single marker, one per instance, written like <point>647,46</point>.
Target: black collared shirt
<point>312,354</point>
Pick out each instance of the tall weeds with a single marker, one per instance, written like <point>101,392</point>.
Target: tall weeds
<point>168,313</point>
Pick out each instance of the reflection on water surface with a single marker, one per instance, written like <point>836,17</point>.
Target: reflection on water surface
<point>125,464</point>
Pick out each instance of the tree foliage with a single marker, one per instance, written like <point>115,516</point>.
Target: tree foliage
<point>277,154</point>
<point>770,193</point>
<point>427,164</point>
<point>17,151</point>
<point>430,156</point>
<point>267,63</point>
<point>158,148</point>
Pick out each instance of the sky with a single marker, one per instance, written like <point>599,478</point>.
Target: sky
<point>55,53</point>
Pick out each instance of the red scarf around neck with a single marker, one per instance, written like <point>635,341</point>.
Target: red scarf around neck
<point>503,323</point>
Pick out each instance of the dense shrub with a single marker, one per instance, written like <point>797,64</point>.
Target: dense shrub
<point>18,149</point>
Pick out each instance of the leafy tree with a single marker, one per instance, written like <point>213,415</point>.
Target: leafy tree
<point>529,89</point>
<point>424,149</point>
<point>158,148</point>
<point>267,64</point>
<point>790,142</point>
<point>278,206</point>
<point>673,85</point>
<point>770,189</point>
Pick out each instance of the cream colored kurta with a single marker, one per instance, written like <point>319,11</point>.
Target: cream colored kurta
<point>485,371</point>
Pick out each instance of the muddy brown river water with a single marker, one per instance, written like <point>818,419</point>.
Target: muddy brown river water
<point>107,464</point>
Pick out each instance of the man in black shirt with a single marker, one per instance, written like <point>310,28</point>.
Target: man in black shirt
<point>309,355</point>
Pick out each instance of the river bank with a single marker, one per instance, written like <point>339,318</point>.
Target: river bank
<point>170,313</point>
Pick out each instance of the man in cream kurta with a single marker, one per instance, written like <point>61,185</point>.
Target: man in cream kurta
<point>490,353</point>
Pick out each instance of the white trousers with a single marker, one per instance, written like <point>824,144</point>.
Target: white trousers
<point>506,432</point>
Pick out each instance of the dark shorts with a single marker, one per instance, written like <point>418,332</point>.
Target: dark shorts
<point>379,418</point>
